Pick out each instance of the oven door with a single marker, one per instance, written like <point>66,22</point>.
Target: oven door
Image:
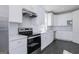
<point>33,44</point>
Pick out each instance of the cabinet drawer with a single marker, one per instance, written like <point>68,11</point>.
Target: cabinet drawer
<point>15,13</point>
<point>19,50</point>
<point>17,45</point>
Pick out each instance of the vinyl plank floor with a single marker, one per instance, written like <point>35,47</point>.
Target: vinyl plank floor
<point>58,46</point>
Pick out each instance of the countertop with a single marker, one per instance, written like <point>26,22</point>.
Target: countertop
<point>33,36</point>
<point>16,37</point>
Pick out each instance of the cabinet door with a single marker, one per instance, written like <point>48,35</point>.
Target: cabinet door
<point>76,21</point>
<point>46,38</point>
<point>15,13</point>
<point>50,19</point>
<point>61,19</point>
<point>75,37</point>
<point>64,35</point>
<point>18,46</point>
<point>39,10</point>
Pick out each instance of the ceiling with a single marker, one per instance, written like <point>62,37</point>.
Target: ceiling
<point>61,8</point>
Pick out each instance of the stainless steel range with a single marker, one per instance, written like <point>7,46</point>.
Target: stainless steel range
<point>33,40</point>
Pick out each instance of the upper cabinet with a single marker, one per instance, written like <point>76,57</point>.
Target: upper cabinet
<point>39,10</point>
<point>62,19</point>
<point>49,19</point>
<point>76,21</point>
<point>15,13</point>
<point>28,7</point>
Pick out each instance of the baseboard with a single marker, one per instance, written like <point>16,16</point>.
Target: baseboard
<point>63,40</point>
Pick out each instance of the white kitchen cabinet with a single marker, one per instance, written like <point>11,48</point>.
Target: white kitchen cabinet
<point>76,21</point>
<point>50,19</point>
<point>39,21</point>
<point>18,46</point>
<point>40,12</point>
<point>76,26</point>
<point>64,35</point>
<point>15,13</point>
<point>28,7</point>
<point>75,37</point>
<point>46,38</point>
<point>61,19</point>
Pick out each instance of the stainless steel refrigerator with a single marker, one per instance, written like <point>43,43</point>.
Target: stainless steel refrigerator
<point>4,36</point>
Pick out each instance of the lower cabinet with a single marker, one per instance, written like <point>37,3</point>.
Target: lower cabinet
<point>75,38</point>
<point>18,46</point>
<point>64,35</point>
<point>46,38</point>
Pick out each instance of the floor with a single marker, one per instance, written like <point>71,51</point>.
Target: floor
<point>58,46</point>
